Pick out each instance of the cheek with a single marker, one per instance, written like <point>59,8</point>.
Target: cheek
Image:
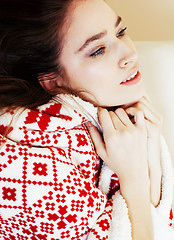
<point>85,76</point>
<point>96,73</point>
<point>95,76</point>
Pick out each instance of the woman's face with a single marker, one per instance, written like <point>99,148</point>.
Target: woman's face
<point>98,57</point>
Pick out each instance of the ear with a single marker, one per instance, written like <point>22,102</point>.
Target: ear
<point>50,82</point>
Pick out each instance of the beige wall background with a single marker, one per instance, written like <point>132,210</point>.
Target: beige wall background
<point>147,20</point>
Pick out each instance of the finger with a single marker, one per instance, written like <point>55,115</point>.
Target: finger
<point>106,123</point>
<point>147,97</point>
<point>137,114</point>
<point>155,184</point>
<point>148,103</point>
<point>150,114</point>
<point>96,139</point>
<point>155,191</point>
<point>152,129</point>
<point>123,116</point>
<point>118,124</point>
<point>139,119</point>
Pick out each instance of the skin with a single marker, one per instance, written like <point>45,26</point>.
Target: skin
<point>97,80</point>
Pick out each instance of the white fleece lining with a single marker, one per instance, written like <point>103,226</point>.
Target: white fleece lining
<point>167,180</point>
<point>104,179</point>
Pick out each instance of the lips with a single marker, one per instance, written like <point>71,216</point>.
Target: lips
<point>134,78</point>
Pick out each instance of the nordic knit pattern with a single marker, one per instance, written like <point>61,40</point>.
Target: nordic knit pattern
<point>49,175</point>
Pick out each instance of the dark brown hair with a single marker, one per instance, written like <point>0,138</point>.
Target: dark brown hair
<point>30,45</point>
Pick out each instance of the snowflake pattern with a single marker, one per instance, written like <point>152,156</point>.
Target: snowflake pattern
<point>54,183</point>
<point>9,193</point>
<point>104,224</point>
<point>40,169</point>
<point>81,139</point>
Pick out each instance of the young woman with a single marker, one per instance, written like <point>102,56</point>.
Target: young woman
<point>82,156</point>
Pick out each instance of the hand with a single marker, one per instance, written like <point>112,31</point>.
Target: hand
<point>123,147</point>
<point>153,123</point>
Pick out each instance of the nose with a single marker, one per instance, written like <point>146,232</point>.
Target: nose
<point>128,55</point>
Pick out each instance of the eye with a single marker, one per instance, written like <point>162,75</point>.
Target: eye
<point>98,52</point>
<point>122,32</point>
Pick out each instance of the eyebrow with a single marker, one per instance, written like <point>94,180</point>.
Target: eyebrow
<point>98,36</point>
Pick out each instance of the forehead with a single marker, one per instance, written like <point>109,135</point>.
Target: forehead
<point>88,17</point>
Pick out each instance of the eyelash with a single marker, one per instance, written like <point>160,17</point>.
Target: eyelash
<point>100,51</point>
<point>122,32</point>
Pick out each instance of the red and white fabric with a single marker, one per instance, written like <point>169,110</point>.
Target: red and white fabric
<point>50,184</point>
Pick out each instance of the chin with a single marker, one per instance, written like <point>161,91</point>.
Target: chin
<point>133,100</point>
